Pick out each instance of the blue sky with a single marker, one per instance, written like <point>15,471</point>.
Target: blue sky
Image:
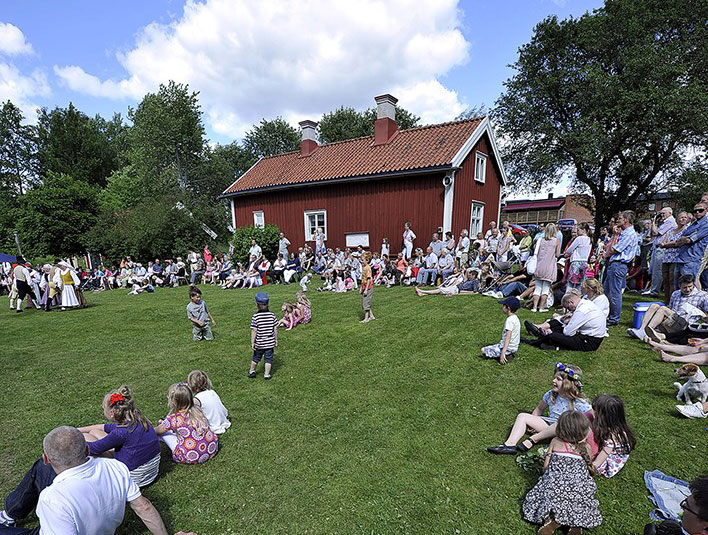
<point>252,60</point>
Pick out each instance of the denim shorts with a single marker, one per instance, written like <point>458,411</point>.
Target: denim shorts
<point>266,354</point>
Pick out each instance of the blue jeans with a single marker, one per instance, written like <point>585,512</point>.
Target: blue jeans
<point>614,282</point>
<point>23,500</point>
<point>513,288</point>
<point>688,268</point>
<point>423,274</point>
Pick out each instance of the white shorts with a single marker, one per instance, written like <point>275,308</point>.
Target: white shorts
<point>449,290</point>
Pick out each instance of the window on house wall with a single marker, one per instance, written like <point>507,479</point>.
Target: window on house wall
<point>480,167</point>
<point>315,219</point>
<point>476,219</point>
<point>258,219</point>
<point>666,204</point>
<point>652,206</point>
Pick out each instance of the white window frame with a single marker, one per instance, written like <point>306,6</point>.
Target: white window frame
<point>474,232</point>
<point>480,158</point>
<point>258,215</point>
<point>309,235</point>
<point>652,206</point>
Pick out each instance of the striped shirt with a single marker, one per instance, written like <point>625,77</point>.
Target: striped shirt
<point>265,324</point>
<point>626,246</point>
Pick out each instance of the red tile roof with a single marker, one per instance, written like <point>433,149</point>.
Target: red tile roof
<point>541,204</point>
<point>412,149</point>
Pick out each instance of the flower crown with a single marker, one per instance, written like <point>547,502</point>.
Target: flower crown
<point>115,398</point>
<point>572,374</point>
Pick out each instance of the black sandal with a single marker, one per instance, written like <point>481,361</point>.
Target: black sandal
<point>524,449</point>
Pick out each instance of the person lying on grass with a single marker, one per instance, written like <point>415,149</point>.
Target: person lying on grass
<point>468,286</point>
<point>695,352</point>
<point>506,349</point>
<point>566,393</point>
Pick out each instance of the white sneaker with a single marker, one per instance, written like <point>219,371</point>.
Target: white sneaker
<point>692,410</point>
<point>637,333</point>
<point>6,520</point>
<point>499,295</point>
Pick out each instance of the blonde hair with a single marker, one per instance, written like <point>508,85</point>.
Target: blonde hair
<point>571,389</point>
<point>551,231</point>
<point>594,285</point>
<point>302,298</point>
<point>180,399</point>
<point>125,413</point>
<point>198,381</point>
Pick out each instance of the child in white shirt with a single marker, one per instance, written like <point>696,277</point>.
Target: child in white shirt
<point>511,334</point>
<point>210,402</point>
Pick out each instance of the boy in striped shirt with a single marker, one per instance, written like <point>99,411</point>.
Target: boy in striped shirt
<point>264,336</point>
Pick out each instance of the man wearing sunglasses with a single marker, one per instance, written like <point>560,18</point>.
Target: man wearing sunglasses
<point>693,244</point>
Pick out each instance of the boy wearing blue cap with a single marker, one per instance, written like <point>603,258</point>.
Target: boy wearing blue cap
<point>264,336</point>
<point>511,334</point>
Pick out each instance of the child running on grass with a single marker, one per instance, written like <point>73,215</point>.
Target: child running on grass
<point>511,334</point>
<point>186,429</point>
<point>264,336</point>
<point>565,494</point>
<point>209,401</point>
<point>198,313</point>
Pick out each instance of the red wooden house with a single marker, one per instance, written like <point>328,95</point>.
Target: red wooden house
<point>362,190</point>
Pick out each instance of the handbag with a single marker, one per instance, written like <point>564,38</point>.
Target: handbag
<point>533,260</point>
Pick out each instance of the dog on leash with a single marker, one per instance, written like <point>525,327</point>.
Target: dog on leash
<point>695,387</point>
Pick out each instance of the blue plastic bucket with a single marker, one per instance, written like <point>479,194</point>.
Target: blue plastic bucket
<point>640,309</point>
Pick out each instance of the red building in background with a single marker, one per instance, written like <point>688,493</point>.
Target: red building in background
<point>362,190</point>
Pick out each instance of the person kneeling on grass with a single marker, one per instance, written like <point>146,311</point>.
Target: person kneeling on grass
<point>511,334</point>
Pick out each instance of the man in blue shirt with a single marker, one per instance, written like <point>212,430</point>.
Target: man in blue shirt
<point>693,244</point>
<point>621,254</point>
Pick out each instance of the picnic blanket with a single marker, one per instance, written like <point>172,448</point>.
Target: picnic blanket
<point>667,493</point>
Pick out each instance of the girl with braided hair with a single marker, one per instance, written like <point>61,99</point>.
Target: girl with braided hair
<point>565,494</point>
<point>129,438</point>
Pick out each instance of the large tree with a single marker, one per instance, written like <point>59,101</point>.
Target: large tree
<point>167,138</point>
<point>56,216</point>
<point>18,151</point>
<point>72,143</point>
<point>348,123</point>
<point>272,137</point>
<point>615,99</point>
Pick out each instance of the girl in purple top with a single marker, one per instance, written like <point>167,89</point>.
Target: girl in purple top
<point>130,439</point>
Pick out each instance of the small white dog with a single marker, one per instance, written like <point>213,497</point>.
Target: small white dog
<point>695,387</point>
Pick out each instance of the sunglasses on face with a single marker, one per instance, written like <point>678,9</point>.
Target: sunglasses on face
<point>699,210</point>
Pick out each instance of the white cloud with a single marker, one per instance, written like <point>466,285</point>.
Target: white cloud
<point>12,40</point>
<point>22,90</point>
<point>298,59</point>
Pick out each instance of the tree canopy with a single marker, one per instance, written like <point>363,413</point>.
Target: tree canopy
<point>270,138</point>
<point>347,123</point>
<point>616,99</point>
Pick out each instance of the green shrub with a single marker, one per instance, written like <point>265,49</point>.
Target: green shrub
<point>266,237</point>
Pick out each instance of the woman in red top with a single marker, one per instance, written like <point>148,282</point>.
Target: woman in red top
<point>367,287</point>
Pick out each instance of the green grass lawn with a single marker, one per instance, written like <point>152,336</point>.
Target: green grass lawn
<point>364,429</point>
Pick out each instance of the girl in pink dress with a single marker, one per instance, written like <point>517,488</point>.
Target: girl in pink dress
<point>191,440</point>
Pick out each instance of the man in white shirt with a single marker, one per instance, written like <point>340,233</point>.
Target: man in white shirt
<point>87,496</point>
<point>446,263</point>
<point>585,330</point>
<point>283,244</point>
<point>430,270</point>
<point>463,248</point>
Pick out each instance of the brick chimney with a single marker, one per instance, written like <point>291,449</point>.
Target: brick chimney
<point>385,126</point>
<point>308,142</point>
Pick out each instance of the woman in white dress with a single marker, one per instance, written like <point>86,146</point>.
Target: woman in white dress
<point>408,237</point>
<point>66,279</point>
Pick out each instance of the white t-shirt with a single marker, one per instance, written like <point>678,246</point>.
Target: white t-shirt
<point>88,499</point>
<point>513,324</point>
<point>603,304</point>
<point>215,411</point>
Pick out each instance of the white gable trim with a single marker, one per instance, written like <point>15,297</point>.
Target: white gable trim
<point>468,145</point>
<point>239,178</point>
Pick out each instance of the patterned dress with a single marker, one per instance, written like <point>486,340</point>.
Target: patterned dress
<point>193,446</point>
<point>566,490</point>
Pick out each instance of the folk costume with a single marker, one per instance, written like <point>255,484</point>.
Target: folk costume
<point>66,280</point>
